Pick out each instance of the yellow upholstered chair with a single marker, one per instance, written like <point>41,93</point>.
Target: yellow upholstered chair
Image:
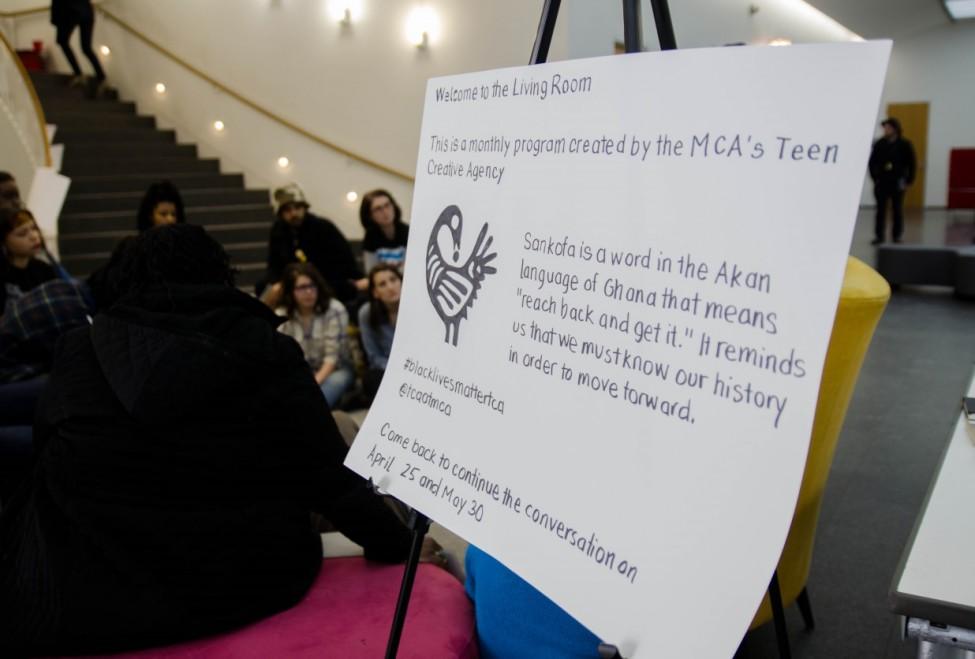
<point>862,300</point>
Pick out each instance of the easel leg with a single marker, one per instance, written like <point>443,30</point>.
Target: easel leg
<point>420,524</point>
<point>607,651</point>
<point>805,608</point>
<point>778,617</point>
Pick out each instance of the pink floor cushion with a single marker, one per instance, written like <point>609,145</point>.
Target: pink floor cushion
<point>347,614</point>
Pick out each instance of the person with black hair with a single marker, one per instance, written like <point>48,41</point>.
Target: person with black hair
<point>892,167</point>
<point>21,242</point>
<point>320,325</point>
<point>9,192</point>
<point>386,233</point>
<point>180,447</point>
<point>299,236</point>
<point>162,204</point>
<point>66,15</point>
<point>377,322</point>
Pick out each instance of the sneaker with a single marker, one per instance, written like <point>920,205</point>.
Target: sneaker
<point>77,81</point>
<point>101,90</point>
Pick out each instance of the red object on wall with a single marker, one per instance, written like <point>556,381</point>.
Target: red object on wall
<point>33,59</point>
<point>961,179</point>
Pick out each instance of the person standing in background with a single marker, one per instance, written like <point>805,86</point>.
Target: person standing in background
<point>66,15</point>
<point>892,168</point>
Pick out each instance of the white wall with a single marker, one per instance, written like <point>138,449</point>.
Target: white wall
<point>938,66</point>
<point>363,87</point>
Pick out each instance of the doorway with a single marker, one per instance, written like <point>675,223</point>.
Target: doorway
<point>914,125</point>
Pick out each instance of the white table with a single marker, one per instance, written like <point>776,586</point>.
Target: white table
<point>934,587</point>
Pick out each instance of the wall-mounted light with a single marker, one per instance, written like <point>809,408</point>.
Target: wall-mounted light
<point>422,26</point>
<point>105,50</point>
<point>780,42</point>
<point>351,196</point>
<point>160,88</point>
<point>283,162</point>
<point>345,11</point>
<point>218,126</point>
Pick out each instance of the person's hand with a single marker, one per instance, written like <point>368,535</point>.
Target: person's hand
<point>432,552</point>
<point>272,295</point>
<point>361,285</point>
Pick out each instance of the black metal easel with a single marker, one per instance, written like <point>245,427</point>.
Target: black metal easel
<point>419,523</point>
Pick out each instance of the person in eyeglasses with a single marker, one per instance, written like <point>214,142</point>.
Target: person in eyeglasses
<point>319,323</point>
<point>386,233</point>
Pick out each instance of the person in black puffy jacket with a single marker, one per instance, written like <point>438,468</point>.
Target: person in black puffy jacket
<point>181,446</point>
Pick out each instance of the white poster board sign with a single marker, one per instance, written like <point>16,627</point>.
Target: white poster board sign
<point>621,281</point>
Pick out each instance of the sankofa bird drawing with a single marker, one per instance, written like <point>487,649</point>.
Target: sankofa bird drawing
<point>453,283</point>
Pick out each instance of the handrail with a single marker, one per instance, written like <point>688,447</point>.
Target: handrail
<point>24,12</point>
<point>250,103</point>
<point>38,110</point>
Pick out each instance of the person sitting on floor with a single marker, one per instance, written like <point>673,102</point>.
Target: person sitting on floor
<point>516,621</point>
<point>377,322</point>
<point>180,447</point>
<point>320,325</point>
<point>9,192</point>
<point>299,236</point>
<point>162,204</point>
<point>20,269</point>
<point>386,233</point>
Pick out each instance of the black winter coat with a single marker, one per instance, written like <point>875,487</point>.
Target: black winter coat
<point>892,162</point>
<point>180,446</point>
<point>323,245</point>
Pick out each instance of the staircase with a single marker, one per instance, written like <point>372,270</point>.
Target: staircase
<point>112,155</point>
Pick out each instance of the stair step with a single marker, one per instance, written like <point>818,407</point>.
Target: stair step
<point>116,150</point>
<point>57,106</point>
<point>80,121</point>
<point>81,224</point>
<point>137,183</point>
<point>144,165</point>
<point>48,78</point>
<point>105,241</point>
<point>66,94</point>
<point>247,255</point>
<point>129,201</point>
<point>71,135</point>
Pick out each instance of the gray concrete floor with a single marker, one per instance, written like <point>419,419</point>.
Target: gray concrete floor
<point>903,409</point>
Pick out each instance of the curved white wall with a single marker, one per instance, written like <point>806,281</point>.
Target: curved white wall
<point>362,87</point>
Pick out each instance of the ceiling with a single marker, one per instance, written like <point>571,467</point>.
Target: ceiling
<point>880,19</point>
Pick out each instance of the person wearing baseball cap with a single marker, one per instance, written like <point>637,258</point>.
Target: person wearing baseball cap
<point>892,168</point>
<point>299,236</point>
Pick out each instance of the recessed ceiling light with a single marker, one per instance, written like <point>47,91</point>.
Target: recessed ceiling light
<point>160,88</point>
<point>105,50</point>
<point>351,196</point>
<point>960,9</point>
<point>218,125</point>
<point>283,162</point>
